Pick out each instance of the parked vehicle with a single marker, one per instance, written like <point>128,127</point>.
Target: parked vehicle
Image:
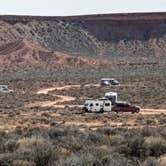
<point>97,106</point>
<point>112,96</point>
<point>114,82</point>
<point>105,82</point>
<point>125,107</point>
<point>108,82</point>
<point>5,89</point>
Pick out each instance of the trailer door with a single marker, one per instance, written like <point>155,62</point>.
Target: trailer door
<point>107,106</point>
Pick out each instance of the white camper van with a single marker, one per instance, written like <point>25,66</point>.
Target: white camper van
<point>98,105</point>
<point>5,89</point>
<point>108,82</point>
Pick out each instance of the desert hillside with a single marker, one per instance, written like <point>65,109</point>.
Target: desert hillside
<point>128,38</point>
<point>22,55</point>
<point>52,65</point>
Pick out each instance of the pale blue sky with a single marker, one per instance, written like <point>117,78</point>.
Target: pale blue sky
<point>78,7</point>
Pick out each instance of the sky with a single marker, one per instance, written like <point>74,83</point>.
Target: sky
<point>79,7</point>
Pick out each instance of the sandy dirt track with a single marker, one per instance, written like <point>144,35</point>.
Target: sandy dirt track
<point>61,99</point>
<point>46,90</point>
<point>75,117</point>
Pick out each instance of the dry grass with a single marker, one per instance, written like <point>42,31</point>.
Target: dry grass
<point>67,136</point>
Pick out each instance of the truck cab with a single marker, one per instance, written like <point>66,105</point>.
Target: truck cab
<point>125,107</point>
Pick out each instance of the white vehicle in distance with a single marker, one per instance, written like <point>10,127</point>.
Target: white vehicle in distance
<point>5,89</point>
<point>108,82</point>
<point>98,105</point>
<point>112,96</point>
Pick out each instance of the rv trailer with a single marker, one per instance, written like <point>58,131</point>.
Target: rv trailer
<point>98,105</point>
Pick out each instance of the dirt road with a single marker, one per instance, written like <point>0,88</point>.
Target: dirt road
<point>62,99</point>
<point>46,90</point>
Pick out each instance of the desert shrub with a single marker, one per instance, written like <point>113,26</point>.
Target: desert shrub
<point>56,132</point>
<point>131,133</point>
<point>38,150</point>
<point>116,140</point>
<point>96,155</point>
<point>10,145</point>
<point>98,138</point>
<point>118,160</point>
<point>32,132</point>
<point>44,154</point>
<point>75,140</point>
<point>73,143</point>
<point>149,131</point>
<point>18,131</point>
<point>6,159</point>
<point>155,146</point>
<point>162,119</point>
<point>151,161</point>
<point>105,130</point>
<point>89,159</point>
<point>98,152</point>
<point>150,121</point>
<point>80,159</point>
<point>23,163</point>
<point>163,132</point>
<point>133,147</point>
<point>2,147</point>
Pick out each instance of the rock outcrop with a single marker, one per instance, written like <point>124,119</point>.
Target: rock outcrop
<point>118,38</point>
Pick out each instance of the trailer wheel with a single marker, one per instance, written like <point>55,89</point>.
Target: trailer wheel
<point>101,110</point>
<point>85,110</point>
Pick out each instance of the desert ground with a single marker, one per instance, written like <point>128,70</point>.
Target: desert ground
<point>54,63</point>
<point>42,123</point>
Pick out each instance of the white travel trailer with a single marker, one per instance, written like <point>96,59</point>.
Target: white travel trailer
<point>98,105</point>
<point>5,89</point>
<point>112,96</point>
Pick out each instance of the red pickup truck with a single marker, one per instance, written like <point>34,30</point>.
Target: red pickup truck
<point>125,107</point>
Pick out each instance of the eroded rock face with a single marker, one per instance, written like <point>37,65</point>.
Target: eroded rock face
<point>120,38</point>
<point>22,55</point>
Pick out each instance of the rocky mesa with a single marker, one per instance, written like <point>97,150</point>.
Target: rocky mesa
<point>82,41</point>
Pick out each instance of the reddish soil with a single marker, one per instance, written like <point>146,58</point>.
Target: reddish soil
<point>21,55</point>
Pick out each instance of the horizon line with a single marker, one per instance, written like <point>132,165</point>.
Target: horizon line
<point>93,14</point>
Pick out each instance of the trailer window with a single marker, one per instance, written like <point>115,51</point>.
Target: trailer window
<point>107,104</point>
<point>4,88</point>
<point>91,105</point>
